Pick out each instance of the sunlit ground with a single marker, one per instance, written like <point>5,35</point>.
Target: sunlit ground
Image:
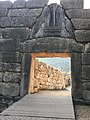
<point>55,92</point>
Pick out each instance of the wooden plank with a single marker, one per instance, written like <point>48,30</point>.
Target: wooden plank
<point>43,104</point>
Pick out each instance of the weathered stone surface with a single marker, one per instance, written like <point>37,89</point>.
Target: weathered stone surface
<point>25,21</point>
<point>19,4</point>
<point>10,89</point>
<point>86,58</point>
<point>50,24</point>
<point>2,107</point>
<point>25,12</point>
<point>2,66</point>
<point>25,74</point>
<point>36,3</point>
<point>11,77</point>
<point>78,13</point>
<point>86,95</point>
<point>76,68</point>
<point>1,77</point>
<point>52,44</point>
<point>5,4</point>
<point>13,67</point>
<point>81,24</point>
<point>67,4</point>
<point>9,44</point>
<point>82,35</point>
<point>86,86</point>
<point>10,57</point>
<point>87,48</point>
<point>3,12</point>
<point>5,21</point>
<point>86,72</point>
<point>0,88</point>
<point>21,33</point>
<point>24,17</point>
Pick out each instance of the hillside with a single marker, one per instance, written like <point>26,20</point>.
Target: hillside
<point>63,64</point>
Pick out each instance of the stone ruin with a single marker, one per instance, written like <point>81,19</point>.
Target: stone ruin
<point>47,77</point>
<point>35,27</point>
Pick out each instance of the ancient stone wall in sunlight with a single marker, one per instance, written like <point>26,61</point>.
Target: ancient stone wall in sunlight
<point>47,77</point>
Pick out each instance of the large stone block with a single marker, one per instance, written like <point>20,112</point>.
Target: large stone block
<point>5,21</point>
<point>86,58</point>
<point>11,77</point>
<point>3,12</point>
<point>10,57</point>
<point>21,33</point>
<point>81,24</point>
<point>87,48</point>
<point>9,44</point>
<point>86,96</point>
<point>25,12</point>
<point>19,4</point>
<point>10,89</point>
<point>25,74</point>
<point>86,72</point>
<point>82,35</point>
<point>76,68</point>
<point>5,4</point>
<point>78,13</point>
<point>36,3</point>
<point>52,44</point>
<point>67,4</point>
<point>25,21</point>
<point>2,66</point>
<point>13,67</point>
<point>0,88</point>
<point>1,77</point>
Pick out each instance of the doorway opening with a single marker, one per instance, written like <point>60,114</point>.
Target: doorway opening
<point>50,71</point>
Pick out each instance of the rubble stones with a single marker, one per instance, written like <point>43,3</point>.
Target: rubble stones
<point>47,77</point>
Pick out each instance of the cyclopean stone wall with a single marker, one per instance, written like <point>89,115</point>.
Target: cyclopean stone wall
<point>33,27</point>
<point>47,77</point>
<point>16,21</point>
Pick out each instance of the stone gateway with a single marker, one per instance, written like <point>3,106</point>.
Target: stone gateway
<point>34,27</point>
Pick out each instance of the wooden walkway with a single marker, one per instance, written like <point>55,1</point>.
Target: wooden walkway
<point>45,104</point>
